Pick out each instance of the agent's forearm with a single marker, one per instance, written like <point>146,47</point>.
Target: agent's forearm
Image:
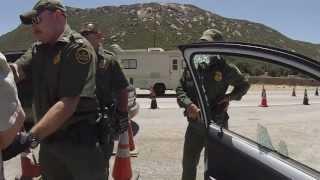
<point>55,117</point>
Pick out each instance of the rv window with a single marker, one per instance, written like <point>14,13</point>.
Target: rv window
<point>175,64</point>
<point>129,63</point>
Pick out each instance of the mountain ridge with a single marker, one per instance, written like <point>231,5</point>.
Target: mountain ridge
<point>164,25</point>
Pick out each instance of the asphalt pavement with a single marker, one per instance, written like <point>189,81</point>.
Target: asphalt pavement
<point>160,137</point>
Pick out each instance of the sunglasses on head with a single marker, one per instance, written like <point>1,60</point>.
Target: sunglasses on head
<point>36,19</point>
<point>86,33</point>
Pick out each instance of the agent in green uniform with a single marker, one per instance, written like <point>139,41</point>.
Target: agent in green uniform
<point>216,75</point>
<point>111,88</point>
<point>61,65</point>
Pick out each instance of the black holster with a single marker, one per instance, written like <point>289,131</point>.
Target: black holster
<point>221,119</point>
<point>104,125</point>
<point>219,115</point>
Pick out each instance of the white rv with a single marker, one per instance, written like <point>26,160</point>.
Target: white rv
<point>152,67</point>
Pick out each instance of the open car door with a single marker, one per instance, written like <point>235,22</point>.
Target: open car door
<point>232,155</point>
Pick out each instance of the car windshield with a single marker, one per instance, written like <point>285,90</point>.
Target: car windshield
<point>280,111</point>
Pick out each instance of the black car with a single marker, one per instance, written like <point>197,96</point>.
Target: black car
<point>236,153</point>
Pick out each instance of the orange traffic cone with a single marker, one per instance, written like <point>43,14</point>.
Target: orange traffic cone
<point>130,134</point>
<point>263,98</point>
<point>154,104</point>
<point>305,98</point>
<point>29,168</point>
<point>293,91</point>
<point>132,147</point>
<point>122,165</point>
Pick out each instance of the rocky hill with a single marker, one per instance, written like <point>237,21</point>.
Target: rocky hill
<point>164,25</point>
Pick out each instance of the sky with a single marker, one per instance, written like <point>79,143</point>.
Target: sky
<point>297,19</point>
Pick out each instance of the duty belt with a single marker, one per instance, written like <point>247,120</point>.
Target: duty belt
<point>84,132</point>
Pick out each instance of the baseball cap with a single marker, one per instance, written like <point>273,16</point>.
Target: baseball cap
<point>89,27</point>
<point>211,35</point>
<point>26,18</point>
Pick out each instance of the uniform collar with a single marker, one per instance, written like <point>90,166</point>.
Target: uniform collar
<point>66,35</point>
<point>101,52</point>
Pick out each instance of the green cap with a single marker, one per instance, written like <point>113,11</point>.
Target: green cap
<point>26,18</point>
<point>212,35</point>
<point>89,27</point>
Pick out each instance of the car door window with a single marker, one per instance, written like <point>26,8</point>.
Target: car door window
<point>280,111</point>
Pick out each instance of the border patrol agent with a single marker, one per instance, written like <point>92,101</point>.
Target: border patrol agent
<point>61,66</point>
<point>112,90</point>
<point>217,75</point>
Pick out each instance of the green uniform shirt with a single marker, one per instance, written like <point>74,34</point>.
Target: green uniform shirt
<point>216,79</point>
<point>110,77</point>
<point>65,69</point>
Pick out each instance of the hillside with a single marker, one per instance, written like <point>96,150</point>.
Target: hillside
<point>164,25</point>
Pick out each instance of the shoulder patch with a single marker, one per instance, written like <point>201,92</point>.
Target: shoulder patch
<point>82,56</point>
<point>81,41</point>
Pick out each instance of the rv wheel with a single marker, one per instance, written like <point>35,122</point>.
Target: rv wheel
<point>159,89</point>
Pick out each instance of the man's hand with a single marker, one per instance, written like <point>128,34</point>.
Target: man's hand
<point>20,144</point>
<point>224,102</point>
<point>193,112</point>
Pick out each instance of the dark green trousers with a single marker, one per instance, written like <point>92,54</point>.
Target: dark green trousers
<point>107,150</point>
<point>193,145</point>
<point>71,161</point>
<point>195,139</point>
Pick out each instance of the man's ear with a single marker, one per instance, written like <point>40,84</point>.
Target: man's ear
<point>58,13</point>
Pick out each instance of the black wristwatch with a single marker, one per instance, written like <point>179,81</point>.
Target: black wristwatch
<point>34,140</point>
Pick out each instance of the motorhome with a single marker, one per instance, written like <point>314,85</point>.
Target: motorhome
<point>152,67</point>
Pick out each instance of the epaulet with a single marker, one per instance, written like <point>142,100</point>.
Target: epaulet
<point>109,52</point>
<point>76,37</point>
<point>107,55</point>
<point>79,40</point>
<point>233,66</point>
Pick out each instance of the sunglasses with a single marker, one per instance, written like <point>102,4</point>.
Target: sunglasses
<point>36,19</point>
<point>86,33</point>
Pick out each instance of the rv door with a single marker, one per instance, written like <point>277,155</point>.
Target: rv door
<point>174,71</point>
